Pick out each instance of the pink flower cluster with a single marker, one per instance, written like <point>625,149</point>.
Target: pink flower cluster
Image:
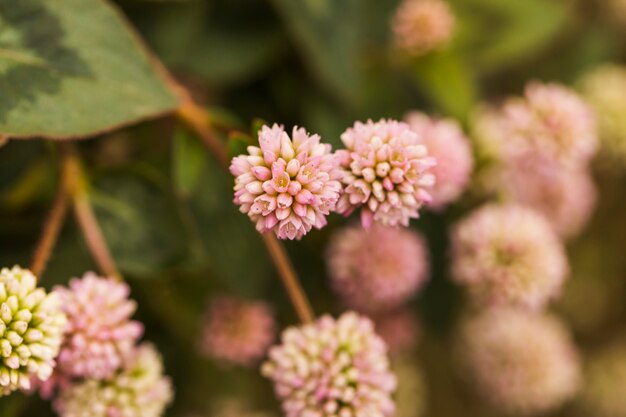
<point>420,26</point>
<point>386,172</point>
<point>523,363</point>
<point>508,255</point>
<point>451,149</point>
<point>377,269</point>
<point>237,331</point>
<point>332,368</point>
<point>99,333</point>
<point>287,185</point>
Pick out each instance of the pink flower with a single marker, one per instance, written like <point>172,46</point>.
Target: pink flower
<point>332,368</point>
<point>420,26</point>
<point>237,331</point>
<point>100,332</point>
<point>565,196</point>
<point>287,185</point>
<point>449,146</point>
<point>377,269</point>
<point>387,171</point>
<point>508,255</point>
<point>399,329</point>
<point>522,363</point>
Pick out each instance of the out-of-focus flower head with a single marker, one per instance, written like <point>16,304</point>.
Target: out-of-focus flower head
<point>508,255</point>
<point>522,363</point>
<point>377,269</point>
<point>399,329</point>
<point>31,330</point>
<point>605,379</point>
<point>604,88</point>
<point>449,146</point>
<point>332,368</point>
<point>386,172</point>
<point>100,332</point>
<point>549,120</point>
<point>412,394</point>
<point>421,26</point>
<point>565,196</point>
<point>237,331</point>
<point>287,185</point>
<point>138,389</point>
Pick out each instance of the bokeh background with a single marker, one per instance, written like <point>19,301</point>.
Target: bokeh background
<point>166,206</point>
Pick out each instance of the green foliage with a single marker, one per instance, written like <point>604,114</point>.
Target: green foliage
<point>72,68</point>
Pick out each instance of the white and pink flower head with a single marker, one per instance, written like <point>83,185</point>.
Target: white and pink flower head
<point>332,368</point>
<point>387,171</point>
<point>287,185</point>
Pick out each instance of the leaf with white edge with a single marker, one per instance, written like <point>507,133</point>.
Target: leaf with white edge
<point>72,69</point>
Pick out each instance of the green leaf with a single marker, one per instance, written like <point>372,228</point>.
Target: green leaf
<point>73,68</point>
<point>238,143</point>
<point>327,35</point>
<point>187,162</point>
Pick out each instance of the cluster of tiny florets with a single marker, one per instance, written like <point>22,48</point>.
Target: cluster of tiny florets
<point>237,331</point>
<point>99,333</point>
<point>604,89</point>
<point>332,368</point>
<point>31,330</point>
<point>137,389</point>
<point>508,255</point>
<point>377,269</point>
<point>287,185</point>
<point>451,149</point>
<point>421,26</point>
<point>522,363</point>
<point>386,172</point>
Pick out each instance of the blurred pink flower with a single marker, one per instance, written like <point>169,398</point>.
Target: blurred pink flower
<point>420,26</point>
<point>565,196</point>
<point>99,333</point>
<point>399,329</point>
<point>377,269</point>
<point>332,368</point>
<point>508,255</point>
<point>138,389</point>
<point>449,146</point>
<point>387,171</point>
<point>523,363</point>
<point>237,331</point>
<point>287,185</point>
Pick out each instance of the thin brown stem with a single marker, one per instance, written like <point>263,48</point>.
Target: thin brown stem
<point>197,119</point>
<point>289,278</point>
<point>87,221</point>
<point>53,223</point>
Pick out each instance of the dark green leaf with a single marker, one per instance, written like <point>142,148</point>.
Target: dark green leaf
<point>187,162</point>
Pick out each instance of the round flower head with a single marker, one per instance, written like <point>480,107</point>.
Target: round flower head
<point>399,329</point>
<point>522,363</point>
<point>420,26</point>
<point>99,332</point>
<point>387,171</point>
<point>604,88</point>
<point>287,185</point>
<point>139,389</point>
<point>376,269</point>
<point>508,255</point>
<point>332,368</point>
<point>551,120</point>
<point>31,330</point>
<point>565,196</point>
<point>449,146</point>
<point>605,379</point>
<point>237,331</point>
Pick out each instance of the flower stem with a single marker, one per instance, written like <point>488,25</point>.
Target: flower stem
<point>196,118</point>
<point>86,218</point>
<point>54,221</point>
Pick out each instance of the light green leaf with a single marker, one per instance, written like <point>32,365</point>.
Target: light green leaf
<point>73,68</point>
